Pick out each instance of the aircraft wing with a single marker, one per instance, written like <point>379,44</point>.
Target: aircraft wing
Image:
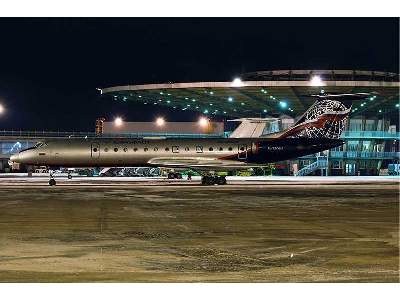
<point>199,163</point>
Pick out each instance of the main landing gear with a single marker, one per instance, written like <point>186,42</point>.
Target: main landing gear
<point>174,176</point>
<point>211,180</point>
<point>52,181</point>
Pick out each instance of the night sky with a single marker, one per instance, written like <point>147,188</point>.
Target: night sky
<point>50,68</point>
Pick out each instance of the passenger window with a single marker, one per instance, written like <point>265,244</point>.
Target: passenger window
<point>94,149</point>
<point>115,149</point>
<point>167,149</point>
<point>135,149</point>
<point>221,149</point>
<point>155,149</point>
<point>186,148</point>
<point>125,149</point>
<point>199,149</point>
<point>230,149</point>
<point>146,149</point>
<point>105,149</point>
<point>210,149</point>
<point>241,148</point>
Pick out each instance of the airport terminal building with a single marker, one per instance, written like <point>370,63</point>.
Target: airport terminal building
<point>371,133</point>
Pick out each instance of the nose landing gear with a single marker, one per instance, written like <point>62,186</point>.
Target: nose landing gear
<point>212,180</point>
<point>52,181</point>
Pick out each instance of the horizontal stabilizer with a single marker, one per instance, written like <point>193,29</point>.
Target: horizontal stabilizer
<point>250,127</point>
<point>336,96</point>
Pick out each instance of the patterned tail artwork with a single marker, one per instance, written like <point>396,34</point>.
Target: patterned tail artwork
<point>326,118</point>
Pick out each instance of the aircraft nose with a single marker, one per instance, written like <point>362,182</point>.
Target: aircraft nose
<point>15,158</point>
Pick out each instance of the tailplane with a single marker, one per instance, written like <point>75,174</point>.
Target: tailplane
<point>250,127</point>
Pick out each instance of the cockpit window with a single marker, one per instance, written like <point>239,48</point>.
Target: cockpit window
<point>40,145</point>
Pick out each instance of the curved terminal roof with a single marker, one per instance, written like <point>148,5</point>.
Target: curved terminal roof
<point>267,92</point>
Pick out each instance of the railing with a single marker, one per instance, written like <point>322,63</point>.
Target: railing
<point>40,133</point>
<point>80,134</point>
<point>320,163</point>
<point>364,155</point>
<point>370,135</point>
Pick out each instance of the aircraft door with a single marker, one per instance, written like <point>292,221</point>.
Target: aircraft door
<point>242,151</point>
<point>175,149</point>
<point>95,150</point>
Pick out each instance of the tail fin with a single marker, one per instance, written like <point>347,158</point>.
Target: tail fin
<point>326,118</point>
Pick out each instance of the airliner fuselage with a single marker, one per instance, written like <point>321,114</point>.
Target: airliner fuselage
<point>203,153</point>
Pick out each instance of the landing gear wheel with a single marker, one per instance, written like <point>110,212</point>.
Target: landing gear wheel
<point>211,180</point>
<point>207,180</point>
<point>69,176</point>
<point>52,182</point>
<point>174,176</point>
<point>221,180</point>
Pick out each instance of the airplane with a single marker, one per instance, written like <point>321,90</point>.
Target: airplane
<point>318,129</point>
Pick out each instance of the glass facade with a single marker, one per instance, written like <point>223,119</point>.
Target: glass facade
<point>371,145</point>
<point>10,147</point>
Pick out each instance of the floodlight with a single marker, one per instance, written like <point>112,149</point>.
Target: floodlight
<point>316,81</point>
<point>237,82</point>
<point>282,104</point>
<point>203,122</point>
<point>160,121</point>
<point>118,121</point>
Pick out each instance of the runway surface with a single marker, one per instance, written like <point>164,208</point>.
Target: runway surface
<point>286,230</point>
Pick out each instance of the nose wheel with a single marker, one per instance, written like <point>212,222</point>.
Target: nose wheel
<point>52,181</point>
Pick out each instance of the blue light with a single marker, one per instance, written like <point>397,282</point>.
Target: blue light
<point>206,111</point>
<point>282,104</point>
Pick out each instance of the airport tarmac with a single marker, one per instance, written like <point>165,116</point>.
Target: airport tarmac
<point>156,230</point>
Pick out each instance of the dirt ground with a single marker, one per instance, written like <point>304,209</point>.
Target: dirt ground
<point>192,233</point>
